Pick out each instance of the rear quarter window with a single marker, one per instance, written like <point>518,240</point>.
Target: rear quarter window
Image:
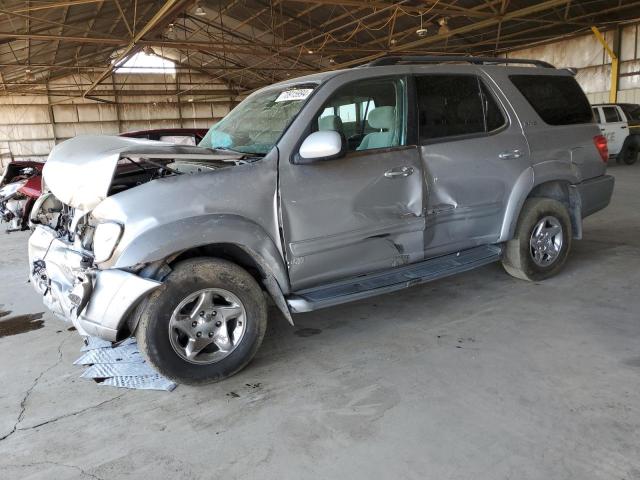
<point>558,100</point>
<point>632,112</point>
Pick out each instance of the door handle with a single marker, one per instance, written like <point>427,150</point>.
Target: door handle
<point>510,154</point>
<point>399,172</point>
<point>623,127</point>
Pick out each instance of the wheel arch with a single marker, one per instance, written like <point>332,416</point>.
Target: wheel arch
<point>243,256</point>
<point>561,190</point>
<point>224,236</point>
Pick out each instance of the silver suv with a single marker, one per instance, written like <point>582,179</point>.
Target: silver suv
<point>314,192</point>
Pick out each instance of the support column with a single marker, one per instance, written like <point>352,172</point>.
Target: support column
<point>52,119</point>
<point>615,65</point>
<point>178,99</point>
<point>117,102</point>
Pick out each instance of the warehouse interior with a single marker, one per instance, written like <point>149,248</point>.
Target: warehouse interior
<point>59,77</point>
<point>478,375</point>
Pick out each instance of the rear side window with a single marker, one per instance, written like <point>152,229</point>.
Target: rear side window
<point>632,112</point>
<point>558,100</point>
<point>454,105</point>
<point>611,114</point>
<point>596,115</point>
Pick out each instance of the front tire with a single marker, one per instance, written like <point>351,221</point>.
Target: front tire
<point>542,240</point>
<point>204,324</point>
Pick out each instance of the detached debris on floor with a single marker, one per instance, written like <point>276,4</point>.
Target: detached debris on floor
<point>120,366</point>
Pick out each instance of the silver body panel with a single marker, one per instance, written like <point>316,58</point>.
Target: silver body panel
<point>96,302</point>
<point>79,171</point>
<point>315,224</point>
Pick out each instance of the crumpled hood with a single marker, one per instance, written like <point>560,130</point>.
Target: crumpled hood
<point>79,171</point>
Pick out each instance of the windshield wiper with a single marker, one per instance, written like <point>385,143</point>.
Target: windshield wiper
<point>244,155</point>
<point>226,149</point>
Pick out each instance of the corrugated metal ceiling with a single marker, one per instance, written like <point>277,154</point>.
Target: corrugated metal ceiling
<point>250,43</point>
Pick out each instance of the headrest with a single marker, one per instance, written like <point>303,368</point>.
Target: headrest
<point>382,118</point>
<point>330,122</point>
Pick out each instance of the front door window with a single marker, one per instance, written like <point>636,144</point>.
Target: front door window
<point>369,114</point>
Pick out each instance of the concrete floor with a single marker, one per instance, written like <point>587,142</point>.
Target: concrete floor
<point>479,376</point>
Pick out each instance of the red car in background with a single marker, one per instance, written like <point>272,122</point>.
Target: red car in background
<point>21,182</point>
<point>20,186</point>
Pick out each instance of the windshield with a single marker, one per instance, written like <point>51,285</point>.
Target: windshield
<point>256,124</point>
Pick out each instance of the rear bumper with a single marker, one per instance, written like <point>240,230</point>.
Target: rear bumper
<point>95,301</point>
<point>595,194</point>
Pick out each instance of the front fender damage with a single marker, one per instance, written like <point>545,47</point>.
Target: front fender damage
<point>97,302</point>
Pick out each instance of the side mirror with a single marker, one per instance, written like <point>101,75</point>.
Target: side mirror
<point>323,145</point>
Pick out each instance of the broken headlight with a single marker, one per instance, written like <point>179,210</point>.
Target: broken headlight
<point>105,240</point>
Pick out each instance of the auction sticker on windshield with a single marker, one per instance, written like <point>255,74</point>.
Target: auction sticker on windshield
<point>294,95</point>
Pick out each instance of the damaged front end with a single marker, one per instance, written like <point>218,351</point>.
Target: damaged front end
<point>19,187</point>
<point>13,205</point>
<point>96,301</point>
<point>70,247</point>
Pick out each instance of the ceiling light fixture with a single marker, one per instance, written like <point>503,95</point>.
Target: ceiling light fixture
<point>421,32</point>
<point>199,11</point>
<point>310,52</point>
<point>171,32</point>
<point>444,27</point>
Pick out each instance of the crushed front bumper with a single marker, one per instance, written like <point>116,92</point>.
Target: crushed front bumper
<point>97,302</point>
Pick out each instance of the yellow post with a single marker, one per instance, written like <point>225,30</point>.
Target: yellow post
<point>613,93</point>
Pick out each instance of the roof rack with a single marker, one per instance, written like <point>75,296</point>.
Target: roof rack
<point>395,59</point>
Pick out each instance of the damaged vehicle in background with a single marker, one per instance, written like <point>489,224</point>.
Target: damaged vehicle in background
<point>315,192</point>
<point>20,187</point>
<point>21,183</point>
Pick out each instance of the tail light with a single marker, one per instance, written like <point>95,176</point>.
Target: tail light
<point>600,141</point>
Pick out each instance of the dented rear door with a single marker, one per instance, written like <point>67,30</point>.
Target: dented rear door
<point>474,152</point>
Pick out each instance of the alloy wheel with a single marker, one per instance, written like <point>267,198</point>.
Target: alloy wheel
<point>207,326</point>
<point>546,241</point>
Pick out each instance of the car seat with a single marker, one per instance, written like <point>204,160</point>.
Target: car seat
<point>331,122</point>
<point>383,119</point>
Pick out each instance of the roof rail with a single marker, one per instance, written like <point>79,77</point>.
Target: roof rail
<point>395,59</point>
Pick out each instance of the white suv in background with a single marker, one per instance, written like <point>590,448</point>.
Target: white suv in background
<point>620,124</point>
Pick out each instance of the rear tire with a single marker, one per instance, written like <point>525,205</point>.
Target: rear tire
<point>628,154</point>
<point>541,242</point>
<point>204,324</point>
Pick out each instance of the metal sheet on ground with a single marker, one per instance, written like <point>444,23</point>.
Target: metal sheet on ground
<point>147,382</point>
<point>106,370</point>
<point>120,366</point>
<point>125,354</point>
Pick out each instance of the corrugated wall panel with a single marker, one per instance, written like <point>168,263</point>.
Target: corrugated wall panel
<point>26,131</point>
<point>24,114</point>
<point>37,131</point>
<point>31,148</point>
<point>593,63</point>
<point>69,130</point>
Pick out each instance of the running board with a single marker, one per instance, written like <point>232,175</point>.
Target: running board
<point>392,280</point>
